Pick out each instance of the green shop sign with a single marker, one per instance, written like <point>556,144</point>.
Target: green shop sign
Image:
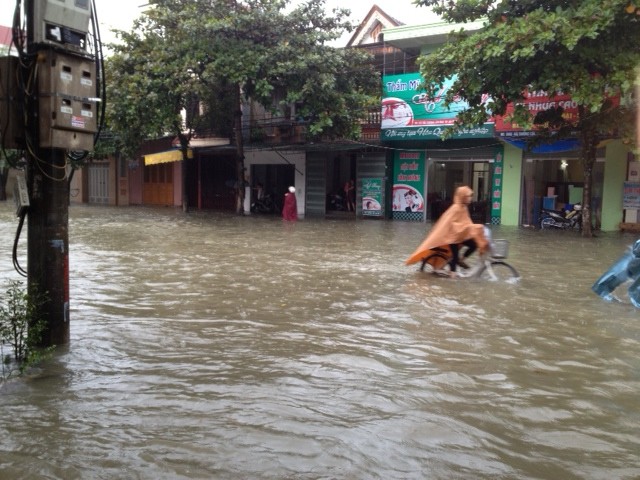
<point>409,114</point>
<point>372,197</point>
<point>496,188</point>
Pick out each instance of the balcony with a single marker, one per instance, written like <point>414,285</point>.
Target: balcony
<point>370,126</point>
<point>275,132</point>
<point>282,132</point>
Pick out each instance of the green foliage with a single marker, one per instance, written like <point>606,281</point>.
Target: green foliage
<point>208,49</point>
<point>20,328</point>
<point>587,48</point>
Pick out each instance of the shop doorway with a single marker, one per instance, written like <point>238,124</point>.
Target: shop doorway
<point>557,183</point>
<point>341,169</point>
<point>444,176</point>
<point>269,183</point>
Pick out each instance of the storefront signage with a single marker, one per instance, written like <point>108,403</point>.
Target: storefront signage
<point>408,186</point>
<point>631,195</point>
<point>372,197</point>
<point>536,101</point>
<point>409,114</point>
<point>496,188</point>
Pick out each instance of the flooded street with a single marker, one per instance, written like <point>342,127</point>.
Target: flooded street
<point>211,346</point>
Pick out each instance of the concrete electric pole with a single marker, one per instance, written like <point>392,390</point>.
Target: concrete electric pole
<point>61,104</point>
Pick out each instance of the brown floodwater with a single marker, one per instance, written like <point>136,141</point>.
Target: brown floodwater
<point>211,346</point>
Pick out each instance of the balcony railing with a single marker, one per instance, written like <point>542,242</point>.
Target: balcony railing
<point>275,131</point>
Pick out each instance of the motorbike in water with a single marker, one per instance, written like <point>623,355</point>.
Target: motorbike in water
<point>563,220</point>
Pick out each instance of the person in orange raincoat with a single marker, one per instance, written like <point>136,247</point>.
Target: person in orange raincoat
<point>453,228</point>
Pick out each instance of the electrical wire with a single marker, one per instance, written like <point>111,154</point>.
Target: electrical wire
<point>101,91</point>
<point>16,263</point>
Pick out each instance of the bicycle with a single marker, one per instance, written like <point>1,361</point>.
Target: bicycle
<point>492,265</point>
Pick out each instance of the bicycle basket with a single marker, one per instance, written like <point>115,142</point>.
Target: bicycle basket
<point>500,248</point>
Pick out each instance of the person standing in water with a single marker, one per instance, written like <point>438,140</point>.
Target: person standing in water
<point>290,208</point>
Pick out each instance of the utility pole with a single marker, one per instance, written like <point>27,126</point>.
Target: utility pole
<point>62,117</point>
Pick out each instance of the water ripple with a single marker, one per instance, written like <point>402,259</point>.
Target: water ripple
<point>215,346</point>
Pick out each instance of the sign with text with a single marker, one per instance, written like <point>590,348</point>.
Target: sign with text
<point>372,197</point>
<point>535,102</point>
<point>496,188</point>
<point>631,195</point>
<point>409,114</point>
<point>408,185</point>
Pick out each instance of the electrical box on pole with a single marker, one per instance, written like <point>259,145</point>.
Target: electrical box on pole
<point>62,23</point>
<point>67,85</point>
<point>68,103</point>
<point>20,194</point>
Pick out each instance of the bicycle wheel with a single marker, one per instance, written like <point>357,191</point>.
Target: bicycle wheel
<point>498,270</point>
<point>435,261</point>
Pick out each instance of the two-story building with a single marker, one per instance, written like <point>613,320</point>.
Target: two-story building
<point>510,183</point>
<point>401,167</point>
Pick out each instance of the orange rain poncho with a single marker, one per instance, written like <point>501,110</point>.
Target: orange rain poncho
<point>454,226</point>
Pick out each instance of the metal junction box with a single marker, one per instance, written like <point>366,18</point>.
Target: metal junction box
<point>64,23</point>
<point>68,102</point>
<point>12,119</point>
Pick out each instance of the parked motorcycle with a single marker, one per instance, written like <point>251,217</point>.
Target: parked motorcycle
<point>335,202</point>
<point>266,204</point>
<point>564,219</point>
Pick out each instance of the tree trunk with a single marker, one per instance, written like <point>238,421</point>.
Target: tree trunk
<point>240,170</point>
<point>589,142</point>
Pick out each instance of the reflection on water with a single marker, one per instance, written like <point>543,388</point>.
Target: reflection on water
<point>215,346</point>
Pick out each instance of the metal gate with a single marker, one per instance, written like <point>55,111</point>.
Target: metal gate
<point>99,183</point>
<point>316,187</point>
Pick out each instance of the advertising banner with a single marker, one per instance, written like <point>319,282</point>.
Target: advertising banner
<point>496,188</point>
<point>539,101</point>
<point>631,195</point>
<point>409,114</point>
<point>372,201</point>
<point>536,101</point>
<point>408,186</point>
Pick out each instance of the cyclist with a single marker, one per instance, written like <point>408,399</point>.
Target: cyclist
<point>453,228</point>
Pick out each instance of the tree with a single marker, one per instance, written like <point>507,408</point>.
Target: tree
<point>21,327</point>
<point>586,48</point>
<point>148,87</point>
<point>253,50</point>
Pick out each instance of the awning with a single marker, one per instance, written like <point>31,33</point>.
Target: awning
<point>208,142</point>
<point>166,157</point>
<point>203,142</point>
<point>558,146</point>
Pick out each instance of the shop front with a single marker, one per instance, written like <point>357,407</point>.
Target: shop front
<point>347,182</point>
<point>269,174</point>
<point>553,173</point>
<point>426,169</point>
